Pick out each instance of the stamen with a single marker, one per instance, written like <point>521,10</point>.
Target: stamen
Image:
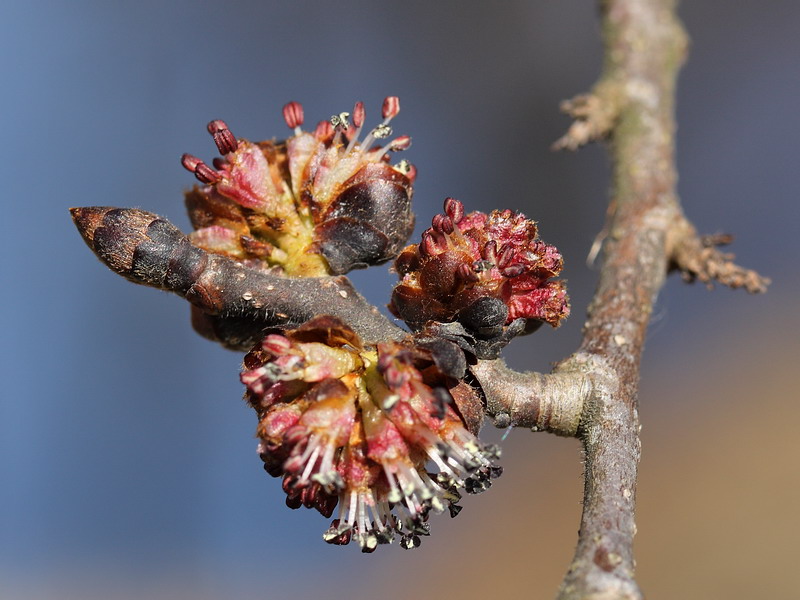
<point>400,143</point>
<point>454,209</point>
<point>381,131</point>
<point>358,114</point>
<point>358,122</point>
<point>340,121</point>
<point>293,115</point>
<point>201,170</point>
<point>323,131</point>
<point>505,256</point>
<point>391,106</point>
<point>225,140</point>
<point>442,224</point>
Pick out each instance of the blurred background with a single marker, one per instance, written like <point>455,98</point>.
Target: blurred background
<point>127,459</point>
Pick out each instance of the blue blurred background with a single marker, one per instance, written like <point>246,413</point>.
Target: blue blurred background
<point>127,459</point>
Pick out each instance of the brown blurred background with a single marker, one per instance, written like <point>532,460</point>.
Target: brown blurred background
<point>127,460</point>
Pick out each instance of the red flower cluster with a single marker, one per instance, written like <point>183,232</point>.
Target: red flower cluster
<point>377,430</point>
<point>318,203</point>
<point>484,271</point>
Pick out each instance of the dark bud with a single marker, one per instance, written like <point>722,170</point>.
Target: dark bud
<point>485,316</point>
<point>407,261</point>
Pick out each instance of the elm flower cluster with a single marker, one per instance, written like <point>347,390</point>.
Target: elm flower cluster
<point>376,430</point>
<point>318,203</point>
<point>484,271</point>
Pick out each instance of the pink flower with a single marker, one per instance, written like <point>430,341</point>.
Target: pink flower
<point>482,270</point>
<point>317,203</point>
<point>377,430</point>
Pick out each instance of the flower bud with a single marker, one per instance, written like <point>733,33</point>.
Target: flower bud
<point>484,271</point>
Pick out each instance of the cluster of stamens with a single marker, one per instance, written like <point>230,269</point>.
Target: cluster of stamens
<point>374,430</point>
<point>484,271</point>
<point>284,203</point>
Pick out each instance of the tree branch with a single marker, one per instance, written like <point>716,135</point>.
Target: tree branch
<point>233,304</point>
<point>542,402</point>
<point>633,105</point>
<point>644,48</point>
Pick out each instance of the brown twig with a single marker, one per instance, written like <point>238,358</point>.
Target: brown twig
<point>232,303</point>
<point>698,258</point>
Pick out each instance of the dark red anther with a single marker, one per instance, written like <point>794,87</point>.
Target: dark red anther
<point>324,130</point>
<point>447,225</point>
<point>489,251</point>
<point>190,162</point>
<point>466,274</point>
<point>288,484</point>
<point>505,256</point>
<point>206,174</point>
<point>440,240</point>
<point>427,246</point>
<point>223,138</point>
<point>219,163</point>
<point>325,504</point>
<point>454,209</point>
<point>442,224</point>
<point>201,170</point>
<point>513,270</point>
<point>308,495</point>
<point>293,114</point>
<point>358,114</point>
<point>391,106</point>
<point>401,143</point>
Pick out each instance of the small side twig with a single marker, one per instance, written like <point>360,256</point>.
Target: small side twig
<point>698,258</point>
<point>551,402</point>
<point>594,115</point>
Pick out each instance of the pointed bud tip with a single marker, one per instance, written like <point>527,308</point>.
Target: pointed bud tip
<point>88,218</point>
